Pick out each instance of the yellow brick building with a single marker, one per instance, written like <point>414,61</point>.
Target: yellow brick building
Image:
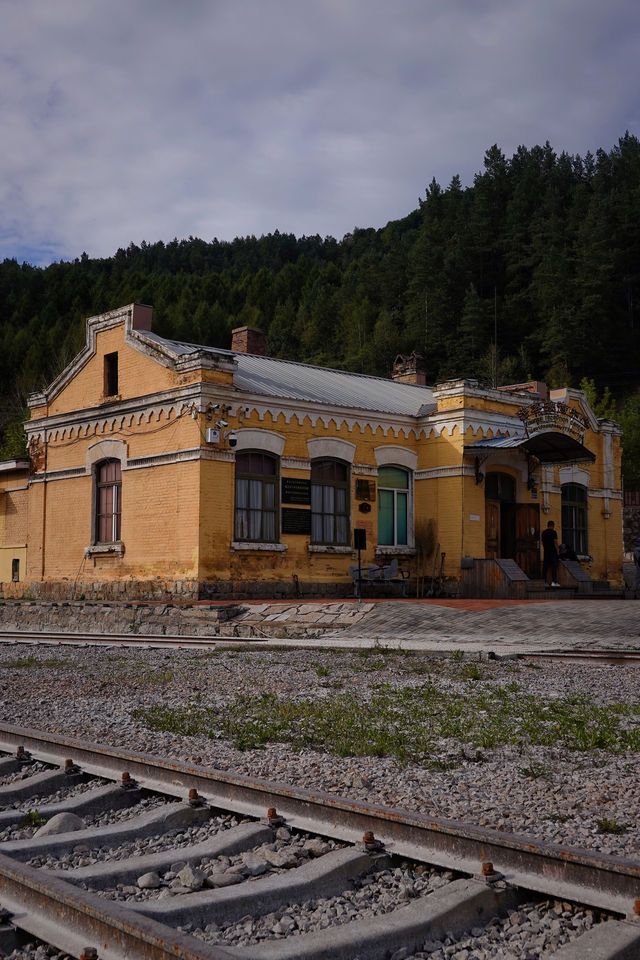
<point>164,469</point>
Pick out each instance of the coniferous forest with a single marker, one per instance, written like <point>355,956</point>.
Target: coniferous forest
<point>540,258</point>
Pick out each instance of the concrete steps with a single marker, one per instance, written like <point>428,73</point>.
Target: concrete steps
<point>504,579</point>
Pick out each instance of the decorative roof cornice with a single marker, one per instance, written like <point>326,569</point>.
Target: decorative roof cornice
<point>136,319</point>
<point>471,388</point>
<point>114,414</point>
<point>7,466</point>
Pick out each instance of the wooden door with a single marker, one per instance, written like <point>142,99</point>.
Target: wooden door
<point>492,529</point>
<point>527,546</point>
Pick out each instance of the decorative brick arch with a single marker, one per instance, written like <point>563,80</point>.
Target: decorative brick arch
<point>266,440</point>
<point>321,448</point>
<point>392,455</point>
<point>106,450</point>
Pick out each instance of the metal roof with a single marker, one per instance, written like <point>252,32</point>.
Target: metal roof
<point>497,442</point>
<point>548,446</point>
<point>301,381</point>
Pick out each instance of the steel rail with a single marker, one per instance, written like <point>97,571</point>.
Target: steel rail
<point>571,873</point>
<point>613,657</point>
<point>120,639</point>
<point>58,912</point>
<point>190,641</point>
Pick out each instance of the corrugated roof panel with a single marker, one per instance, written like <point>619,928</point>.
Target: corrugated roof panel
<point>300,381</point>
<point>500,442</point>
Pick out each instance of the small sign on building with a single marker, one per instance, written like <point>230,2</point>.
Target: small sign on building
<point>296,521</point>
<point>296,490</point>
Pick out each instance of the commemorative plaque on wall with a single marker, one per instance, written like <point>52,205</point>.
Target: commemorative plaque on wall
<point>296,490</point>
<point>296,521</point>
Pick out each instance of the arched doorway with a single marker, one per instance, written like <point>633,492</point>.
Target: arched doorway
<point>512,530</point>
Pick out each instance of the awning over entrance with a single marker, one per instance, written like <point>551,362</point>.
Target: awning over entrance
<point>548,447</point>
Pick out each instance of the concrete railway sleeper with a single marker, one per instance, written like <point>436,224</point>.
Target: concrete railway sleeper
<point>134,873</point>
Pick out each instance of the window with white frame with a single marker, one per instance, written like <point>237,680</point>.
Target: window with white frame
<point>574,517</point>
<point>393,506</point>
<point>108,501</point>
<point>256,507</point>
<point>329,501</point>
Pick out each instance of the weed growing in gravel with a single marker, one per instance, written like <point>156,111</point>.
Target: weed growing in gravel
<point>161,677</point>
<point>611,826</point>
<point>32,819</point>
<point>323,671</point>
<point>534,770</point>
<point>441,766</point>
<point>369,664</point>
<point>31,662</point>
<point>420,669</point>
<point>406,723</point>
<point>471,671</point>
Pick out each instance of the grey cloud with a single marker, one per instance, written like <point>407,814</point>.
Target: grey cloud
<point>146,120</point>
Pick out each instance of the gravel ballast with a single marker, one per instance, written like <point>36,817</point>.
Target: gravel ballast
<point>586,798</point>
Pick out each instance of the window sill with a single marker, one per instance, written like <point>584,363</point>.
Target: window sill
<point>388,550</point>
<point>329,548</point>
<point>105,549</point>
<point>264,547</point>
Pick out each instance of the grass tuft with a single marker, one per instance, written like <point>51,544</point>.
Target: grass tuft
<point>406,723</point>
<point>611,826</point>
<point>31,662</point>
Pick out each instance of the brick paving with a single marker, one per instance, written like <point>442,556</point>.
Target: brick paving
<point>472,625</point>
<point>432,625</point>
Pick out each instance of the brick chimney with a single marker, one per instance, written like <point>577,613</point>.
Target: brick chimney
<point>409,369</point>
<point>141,316</point>
<point>248,340</point>
<point>536,387</point>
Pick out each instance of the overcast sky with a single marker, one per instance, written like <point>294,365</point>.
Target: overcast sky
<point>131,120</point>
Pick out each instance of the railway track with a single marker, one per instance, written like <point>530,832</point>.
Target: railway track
<point>124,639</point>
<point>169,860</point>
<point>613,657</point>
<point>607,656</point>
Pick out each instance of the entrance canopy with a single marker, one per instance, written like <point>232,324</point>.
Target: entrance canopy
<point>548,447</point>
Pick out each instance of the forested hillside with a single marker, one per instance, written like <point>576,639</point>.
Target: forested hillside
<point>544,248</point>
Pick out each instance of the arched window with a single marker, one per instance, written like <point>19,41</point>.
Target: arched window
<point>329,501</point>
<point>256,501</point>
<point>108,501</point>
<point>574,517</point>
<point>393,506</point>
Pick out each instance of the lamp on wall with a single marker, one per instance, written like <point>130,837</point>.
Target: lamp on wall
<point>479,475</point>
<point>532,480</point>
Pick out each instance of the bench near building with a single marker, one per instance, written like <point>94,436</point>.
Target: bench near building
<point>160,469</point>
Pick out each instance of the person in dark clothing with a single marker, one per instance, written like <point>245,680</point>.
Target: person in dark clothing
<point>636,560</point>
<point>550,555</point>
<point>566,552</point>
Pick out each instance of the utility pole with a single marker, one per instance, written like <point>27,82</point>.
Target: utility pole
<point>426,322</point>
<point>495,338</point>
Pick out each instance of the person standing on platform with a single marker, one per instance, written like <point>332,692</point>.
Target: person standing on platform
<point>636,560</point>
<point>550,555</point>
